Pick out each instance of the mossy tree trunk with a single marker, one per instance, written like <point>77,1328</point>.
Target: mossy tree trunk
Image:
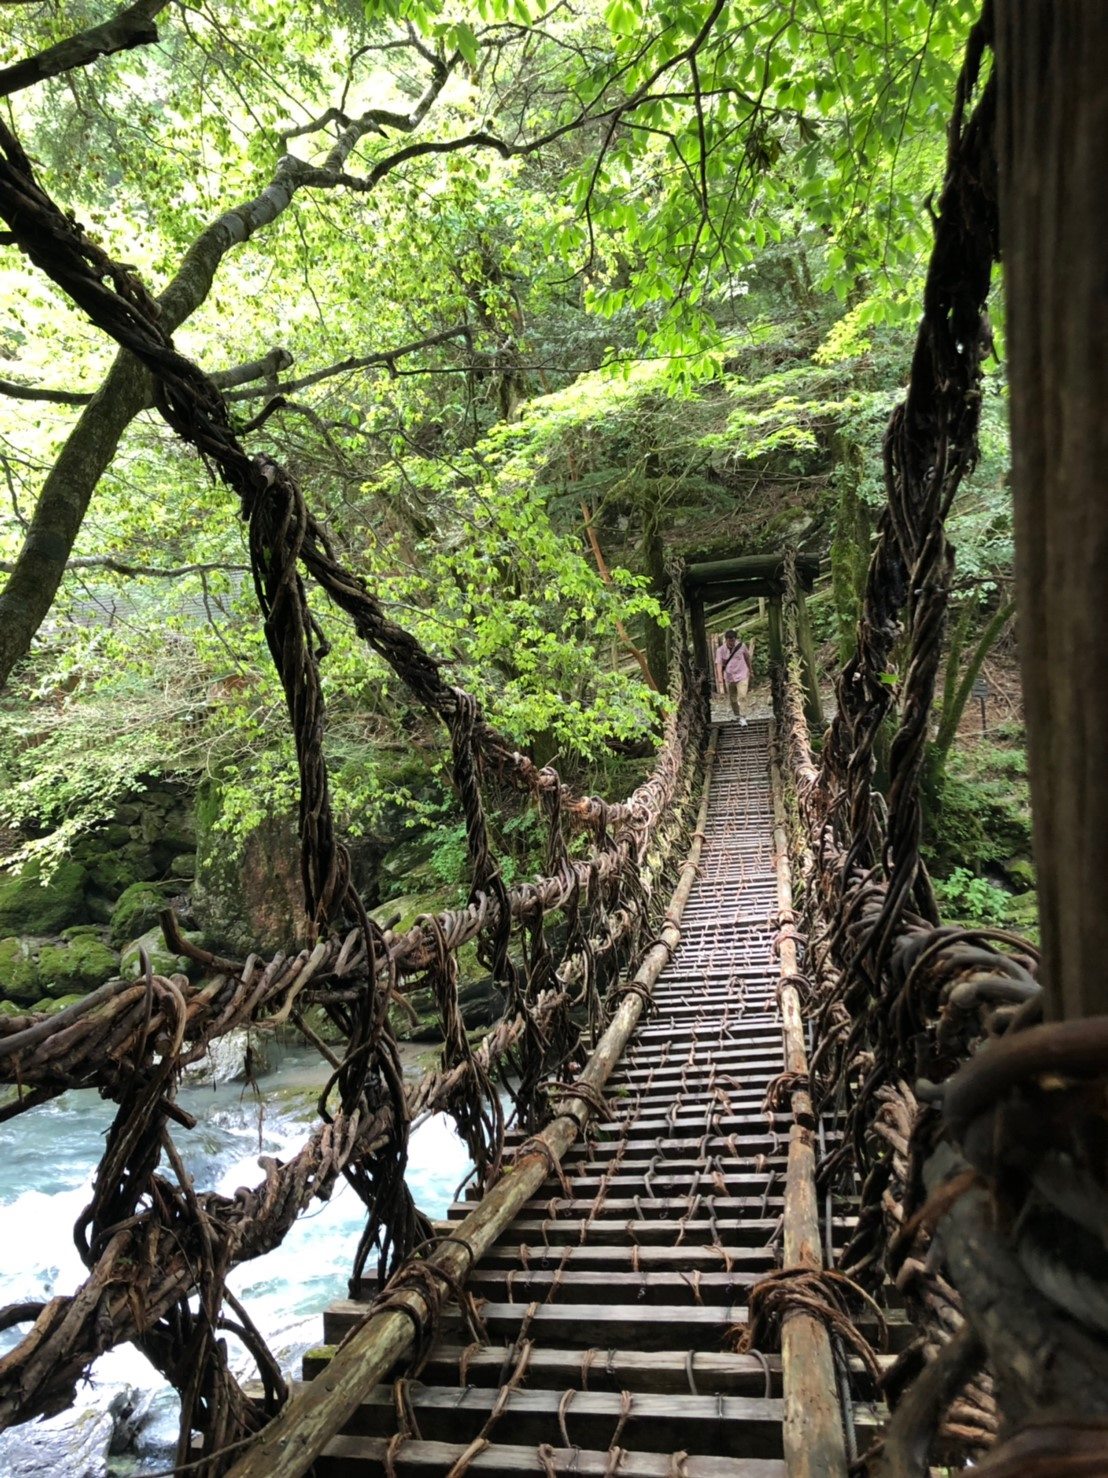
<point>850,545</point>
<point>653,556</point>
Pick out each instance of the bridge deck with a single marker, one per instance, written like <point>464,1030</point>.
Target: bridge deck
<point>610,1311</point>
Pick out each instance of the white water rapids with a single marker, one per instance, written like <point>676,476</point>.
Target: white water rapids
<point>47,1159</point>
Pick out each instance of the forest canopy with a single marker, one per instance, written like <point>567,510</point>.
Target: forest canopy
<point>525,298</point>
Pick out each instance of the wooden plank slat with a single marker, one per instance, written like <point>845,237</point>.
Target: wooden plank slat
<point>651,1421</point>
<point>348,1457</point>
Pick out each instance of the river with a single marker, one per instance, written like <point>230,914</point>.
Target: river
<point>47,1159</point>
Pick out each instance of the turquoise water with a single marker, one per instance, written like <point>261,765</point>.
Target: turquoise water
<point>47,1158</point>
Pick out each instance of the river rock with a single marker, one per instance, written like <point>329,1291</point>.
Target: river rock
<point>248,893</point>
<point>136,911</point>
<point>19,973</point>
<point>480,1002</point>
<point>162,962</point>
<point>81,963</point>
<point>228,1058</point>
<point>33,904</point>
<point>76,1443</point>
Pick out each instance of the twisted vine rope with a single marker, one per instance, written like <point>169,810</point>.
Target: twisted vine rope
<point>974,1131</point>
<point>150,1241</point>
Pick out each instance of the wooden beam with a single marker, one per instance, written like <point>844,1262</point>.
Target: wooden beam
<point>813,707</point>
<point>296,1437</point>
<point>767,567</point>
<point>776,647</point>
<point>354,1455</point>
<point>815,1445</point>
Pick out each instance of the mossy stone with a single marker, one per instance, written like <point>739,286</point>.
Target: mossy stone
<point>9,1008</point>
<point>161,961</point>
<point>183,866</point>
<point>45,1006</point>
<point>30,904</point>
<point>136,911</point>
<point>79,965</point>
<point>111,874</point>
<point>140,861</point>
<point>55,1004</point>
<point>19,972</point>
<point>1023,911</point>
<point>178,834</point>
<point>1020,871</point>
<point>248,893</point>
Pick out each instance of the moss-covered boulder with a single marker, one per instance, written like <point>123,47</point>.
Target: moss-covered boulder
<point>247,894</point>
<point>110,873</point>
<point>51,1005</point>
<point>78,965</point>
<point>1020,873</point>
<point>136,911</point>
<point>20,979</point>
<point>33,904</point>
<point>162,961</point>
<point>1023,912</point>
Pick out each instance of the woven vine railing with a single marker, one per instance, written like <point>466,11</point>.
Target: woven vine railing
<point>157,1249</point>
<point>974,1132</point>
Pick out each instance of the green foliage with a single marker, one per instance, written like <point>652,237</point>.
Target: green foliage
<point>978,840</point>
<point>740,248</point>
<point>965,896</point>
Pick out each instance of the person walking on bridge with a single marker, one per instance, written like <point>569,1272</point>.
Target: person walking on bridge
<point>734,661</point>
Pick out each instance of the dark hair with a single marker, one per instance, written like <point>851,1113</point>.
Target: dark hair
<point>735,634</point>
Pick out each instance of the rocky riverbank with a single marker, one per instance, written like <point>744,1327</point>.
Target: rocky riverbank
<point>65,928</point>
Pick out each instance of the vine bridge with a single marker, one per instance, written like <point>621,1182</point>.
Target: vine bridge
<point>788,1183</point>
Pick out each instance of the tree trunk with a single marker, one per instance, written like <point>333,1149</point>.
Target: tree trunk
<point>606,575</point>
<point>654,560</point>
<point>94,440</point>
<point>86,455</point>
<point>1053,124</point>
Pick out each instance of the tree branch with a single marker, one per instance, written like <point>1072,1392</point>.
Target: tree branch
<point>606,575</point>
<point>131,27</point>
<point>127,390</point>
<point>267,368</point>
<point>133,571</point>
<point>385,359</point>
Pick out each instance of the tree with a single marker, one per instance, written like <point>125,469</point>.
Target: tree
<point>713,116</point>
<point>1053,103</point>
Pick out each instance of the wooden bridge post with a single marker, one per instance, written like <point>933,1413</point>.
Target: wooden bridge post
<point>701,655</point>
<point>815,1444</point>
<point>776,645</point>
<point>813,708</point>
<point>1053,100</point>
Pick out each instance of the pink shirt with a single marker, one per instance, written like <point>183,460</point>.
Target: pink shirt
<point>735,662</point>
